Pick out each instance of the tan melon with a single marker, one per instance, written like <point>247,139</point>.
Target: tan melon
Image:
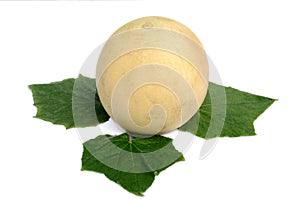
<point>152,75</point>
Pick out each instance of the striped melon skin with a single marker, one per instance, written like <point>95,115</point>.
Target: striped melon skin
<point>152,75</point>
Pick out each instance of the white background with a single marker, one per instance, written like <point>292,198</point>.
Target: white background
<point>254,44</point>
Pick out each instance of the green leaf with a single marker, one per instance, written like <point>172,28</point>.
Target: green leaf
<point>71,102</point>
<point>132,163</point>
<point>227,112</point>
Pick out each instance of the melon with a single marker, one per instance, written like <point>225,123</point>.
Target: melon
<point>152,75</point>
